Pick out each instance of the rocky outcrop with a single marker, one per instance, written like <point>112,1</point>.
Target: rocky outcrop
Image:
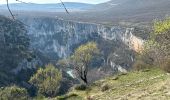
<point>49,39</point>
<point>56,38</point>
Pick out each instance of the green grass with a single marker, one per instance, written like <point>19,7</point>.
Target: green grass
<point>132,86</point>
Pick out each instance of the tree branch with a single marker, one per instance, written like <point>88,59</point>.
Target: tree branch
<point>7,3</point>
<point>13,17</point>
<point>64,6</point>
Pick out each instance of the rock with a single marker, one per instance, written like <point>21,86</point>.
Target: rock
<point>115,78</point>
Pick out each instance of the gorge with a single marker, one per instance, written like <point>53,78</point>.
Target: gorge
<point>56,39</point>
<point>117,49</point>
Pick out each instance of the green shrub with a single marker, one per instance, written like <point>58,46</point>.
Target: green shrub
<point>47,81</point>
<point>81,87</point>
<point>13,93</point>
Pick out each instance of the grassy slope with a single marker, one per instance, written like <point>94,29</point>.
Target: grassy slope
<point>153,84</point>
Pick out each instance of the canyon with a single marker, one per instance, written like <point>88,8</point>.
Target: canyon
<point>55,39</point>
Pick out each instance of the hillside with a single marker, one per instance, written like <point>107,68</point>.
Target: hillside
<point>116,11</point>
<point>152,84</point>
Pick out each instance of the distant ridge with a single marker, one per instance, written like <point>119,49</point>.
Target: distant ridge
<point>47,7</point>
<point>125,10</point>
<point>109,13</point>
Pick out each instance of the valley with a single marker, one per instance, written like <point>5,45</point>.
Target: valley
<point>113,50</point>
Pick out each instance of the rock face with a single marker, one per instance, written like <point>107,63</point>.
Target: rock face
<point>56,38</point>
<point>14,43</point>
<point>50,39</point>
<point>14,46</point>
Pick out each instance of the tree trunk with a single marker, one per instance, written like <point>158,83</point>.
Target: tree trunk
<point>84,79</point>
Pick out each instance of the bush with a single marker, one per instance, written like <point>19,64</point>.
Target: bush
<point>166,66</point>
<point>140,65</point>
<point>81,87</point>
<point>47,81</point>
<point>13,93</point>
<point>104,87</point>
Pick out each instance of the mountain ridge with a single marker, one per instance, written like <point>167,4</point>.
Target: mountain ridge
<point>51,7</point>
<point>113,12</point>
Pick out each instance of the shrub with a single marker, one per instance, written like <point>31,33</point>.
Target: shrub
<point>140,65</point>
<point>47,80</point>
<point>81,87</point>
<point>13,93</point>
<point>104,87</point>
<point>166,66</point>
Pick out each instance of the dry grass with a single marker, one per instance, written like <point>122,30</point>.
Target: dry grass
<point>143,85</point>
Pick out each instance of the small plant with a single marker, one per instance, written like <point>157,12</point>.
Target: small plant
<point>81,87</point>
<point>139,65</point>
<point>104,87</point>
<point>166,66</point>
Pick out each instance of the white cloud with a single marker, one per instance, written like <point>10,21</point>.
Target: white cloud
<point>55,1</point>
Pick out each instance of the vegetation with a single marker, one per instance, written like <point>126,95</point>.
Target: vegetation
<point>147,81</point>
<point>47,80</point>
<point>13,93</point>
<point>104,87</point>
<point>14,47</point>
<point>140,65</point>
<point>80,87</point>
<point>81,60</point>
<point>157,49</point>
<point>136,85</point>
<point>162,26</point>
<point>166,66</point>
<point>82,57</point>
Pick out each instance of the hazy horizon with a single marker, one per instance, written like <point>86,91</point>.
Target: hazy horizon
<point>55,1</point>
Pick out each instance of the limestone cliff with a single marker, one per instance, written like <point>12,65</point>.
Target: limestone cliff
<point>57,38</point>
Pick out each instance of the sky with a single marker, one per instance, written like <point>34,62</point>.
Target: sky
<point>55,1</point>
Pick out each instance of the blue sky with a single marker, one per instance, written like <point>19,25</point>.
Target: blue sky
<point>56,1</point>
